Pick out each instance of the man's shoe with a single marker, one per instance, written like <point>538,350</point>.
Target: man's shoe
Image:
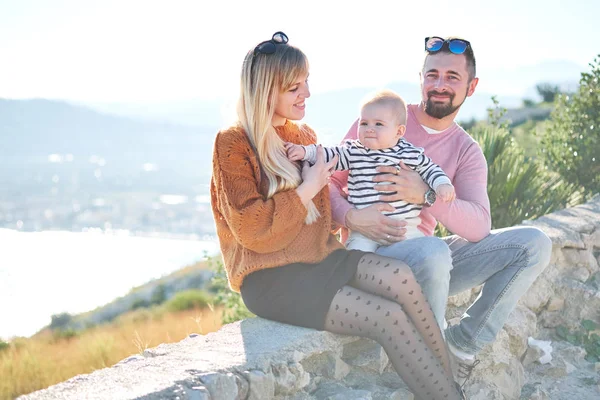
<point>461,392</point>
<point>461,368</point>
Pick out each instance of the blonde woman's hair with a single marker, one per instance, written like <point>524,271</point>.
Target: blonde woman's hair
<point>264,77</point>
<point>388,98</point>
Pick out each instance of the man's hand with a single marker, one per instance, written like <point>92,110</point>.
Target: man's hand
<point>407,184</point>
<point>370,222</point>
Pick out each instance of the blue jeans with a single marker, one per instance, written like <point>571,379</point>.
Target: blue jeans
<point>506,262</point>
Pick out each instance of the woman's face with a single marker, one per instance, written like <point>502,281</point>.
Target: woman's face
<point>290,103</point>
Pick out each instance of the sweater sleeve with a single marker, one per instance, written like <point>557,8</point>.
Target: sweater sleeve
<point>469,214</point>
<point>259,224</point>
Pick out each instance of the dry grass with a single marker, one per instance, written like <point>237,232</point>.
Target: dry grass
<point>43,360</point>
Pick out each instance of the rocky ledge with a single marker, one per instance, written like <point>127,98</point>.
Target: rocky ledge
<point>256,359</point>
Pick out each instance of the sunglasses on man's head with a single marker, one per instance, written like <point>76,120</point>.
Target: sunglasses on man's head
<point>268,46</point>
<point>434,44</point>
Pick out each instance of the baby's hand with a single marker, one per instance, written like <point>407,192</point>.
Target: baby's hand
<point>294,152</point>
<point>446,193</point>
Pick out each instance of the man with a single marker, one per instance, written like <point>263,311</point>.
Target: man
<point>506,261</point>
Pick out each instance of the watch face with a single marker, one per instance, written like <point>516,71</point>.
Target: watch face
<point>430,197</point>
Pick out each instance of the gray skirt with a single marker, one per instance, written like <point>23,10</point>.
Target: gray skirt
<point>300,294</point>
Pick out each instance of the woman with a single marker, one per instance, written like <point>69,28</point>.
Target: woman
<point>273,221</point>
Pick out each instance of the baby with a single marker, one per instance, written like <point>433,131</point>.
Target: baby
<point>380,142</point>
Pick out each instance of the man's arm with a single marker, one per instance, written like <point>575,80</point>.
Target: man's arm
<point>468,215</point>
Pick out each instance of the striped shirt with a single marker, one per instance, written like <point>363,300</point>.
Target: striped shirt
<point>362,162</point>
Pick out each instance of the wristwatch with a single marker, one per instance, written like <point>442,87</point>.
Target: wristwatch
<point>430,197</point>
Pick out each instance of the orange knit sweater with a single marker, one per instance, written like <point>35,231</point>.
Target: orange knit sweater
<point>256,232</point>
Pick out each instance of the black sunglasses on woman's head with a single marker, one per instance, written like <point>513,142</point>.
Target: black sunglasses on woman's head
<point>268,46</point>
<point>434,44</point>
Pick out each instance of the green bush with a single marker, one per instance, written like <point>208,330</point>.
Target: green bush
<point>548,92</point>
<point>159,295</point>
<point>518,186</point>
<point>571,143</point>
<point>584,337</point>
<point>138,303</point>
<point>4,345</point>
<point>235,309</point>
<point>64,334</point>
<point>187,300</point>
<point>60,321</point>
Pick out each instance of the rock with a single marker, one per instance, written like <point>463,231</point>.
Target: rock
<point>556,304</point>
<point>573,354</point>
<point>460,299</point>
<point>582,274</point>
<point>402,394</point>
<point>289,378</point>
<point>328,365</point>
<point>367,354</point>
<point>521,324</point>
<point>569,368</point>
<point>220,386</point>
<point>260,385</point>
<point>283,362</point>
<point>483,391</point>
<point>540,293</point>
<point>532,355</point>
<point>539,394</point>
<point>499,368</point>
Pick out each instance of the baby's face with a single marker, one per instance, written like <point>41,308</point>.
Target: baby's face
<point>378,127</point>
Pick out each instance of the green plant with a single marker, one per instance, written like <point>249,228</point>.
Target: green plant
<point>235,309</point>
<point>64,334</point>
<point>60,321</point>
<point>571,142</point>
<point>585,337</point>
<point>188,299</point>
<point>4,345</point>
<point>138,303</point>
<point>496,113</point>
<point>548,92</point>
<point>518,186</point>
<point>159,295</point>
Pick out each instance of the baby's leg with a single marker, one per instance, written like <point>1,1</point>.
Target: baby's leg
<point>357,241</point>
<point>358,313</point>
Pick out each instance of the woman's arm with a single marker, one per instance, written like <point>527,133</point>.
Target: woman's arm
<point>260,225</point>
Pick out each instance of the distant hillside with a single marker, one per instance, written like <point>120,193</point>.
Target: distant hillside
<point>331,113</point>
<point>40,127</point>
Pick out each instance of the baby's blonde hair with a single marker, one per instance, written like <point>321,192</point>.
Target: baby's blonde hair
<point>386,97</point>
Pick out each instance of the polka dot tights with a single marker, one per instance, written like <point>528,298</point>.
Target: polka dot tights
<point>384,302</point>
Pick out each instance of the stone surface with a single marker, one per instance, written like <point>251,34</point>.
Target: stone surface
<point>256,359</point>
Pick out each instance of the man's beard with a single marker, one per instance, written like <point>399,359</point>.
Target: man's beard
<point>440,111</point>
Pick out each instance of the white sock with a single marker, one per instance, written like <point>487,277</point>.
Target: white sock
<point>459,353</point>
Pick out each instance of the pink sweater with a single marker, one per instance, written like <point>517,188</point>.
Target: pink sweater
<point>462,160</point>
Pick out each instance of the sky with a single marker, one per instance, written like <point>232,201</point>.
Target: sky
<point>154,51</point>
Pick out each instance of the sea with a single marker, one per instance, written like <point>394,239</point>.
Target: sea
<point>50,272</point>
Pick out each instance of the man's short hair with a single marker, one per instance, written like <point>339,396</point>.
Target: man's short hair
<point>469,55</point>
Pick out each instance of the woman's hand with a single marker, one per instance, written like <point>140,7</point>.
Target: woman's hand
<point>316,177</point>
